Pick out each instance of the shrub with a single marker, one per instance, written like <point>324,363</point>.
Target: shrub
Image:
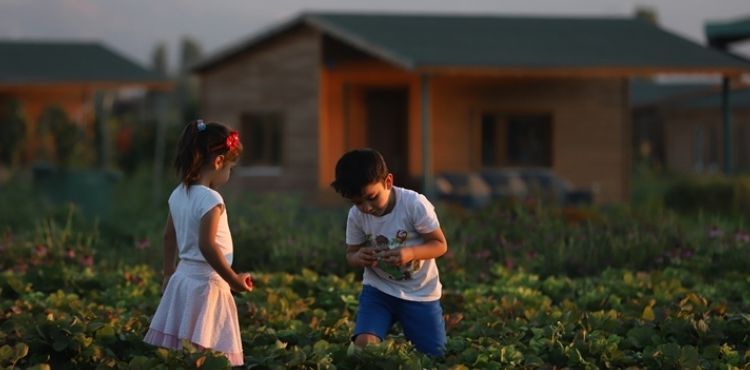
<point>718,195</point>
<point>65,134</point>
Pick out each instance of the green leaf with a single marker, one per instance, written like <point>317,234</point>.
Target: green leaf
<point>6,353</point>
<point>216,363</point>
<point>106,331</point>
<point>690,358</point>
<point>21,350</point>
<point>40,367</point>
<point>648,314</point>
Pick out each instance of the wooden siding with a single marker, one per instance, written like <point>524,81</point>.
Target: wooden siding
<point>682,126</point>
<point>342,112</point>
<point>281,76</point>
<point>590,126</point>
<point>590,121</point>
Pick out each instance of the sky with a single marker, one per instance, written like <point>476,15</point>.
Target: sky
<point>134,27</point>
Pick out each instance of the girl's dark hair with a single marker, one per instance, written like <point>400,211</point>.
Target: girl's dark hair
<point>357,169</point>
<point>199,146</point>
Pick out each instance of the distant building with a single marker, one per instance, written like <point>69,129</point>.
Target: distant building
<point>65,74</point>
<point>679,126</point>
<point>440,93</point>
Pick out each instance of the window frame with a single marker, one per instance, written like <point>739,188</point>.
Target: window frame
<point>502,122</point>
<point>266,166</point>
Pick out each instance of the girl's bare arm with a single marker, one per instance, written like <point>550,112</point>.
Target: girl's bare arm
<point>170,247</point>
<point>212,253</point>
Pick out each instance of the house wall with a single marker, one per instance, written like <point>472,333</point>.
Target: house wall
<point>324,111</point>
<point>590,123</point>
<point>694,141</point>
<point>342,112</point>
<point>590,126</point>
<point>278,76</point>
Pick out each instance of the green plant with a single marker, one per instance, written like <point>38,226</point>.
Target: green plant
<point>64,132</point>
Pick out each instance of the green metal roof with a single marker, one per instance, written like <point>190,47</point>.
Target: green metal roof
<point>647,92</point>
<point>644,93</point>
<point>739,98</point>
<point>723,33</point>
<point>507,42</point>
<point>24,62</point>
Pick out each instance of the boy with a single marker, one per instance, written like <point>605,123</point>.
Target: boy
<point>395,235</point>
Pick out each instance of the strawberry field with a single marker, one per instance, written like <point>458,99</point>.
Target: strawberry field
<point>524,287</point>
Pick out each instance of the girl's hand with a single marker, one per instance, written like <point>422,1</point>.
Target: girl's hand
<point>241,283</point>
<point>398,256</point>
<point>365,257</point>
<point>248,280</point>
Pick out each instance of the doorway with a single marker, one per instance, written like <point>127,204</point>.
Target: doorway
<point>387,121</point>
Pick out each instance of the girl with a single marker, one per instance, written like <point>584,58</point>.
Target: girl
<point>197,303</point>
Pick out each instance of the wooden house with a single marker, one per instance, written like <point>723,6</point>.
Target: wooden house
<point>441,93</point>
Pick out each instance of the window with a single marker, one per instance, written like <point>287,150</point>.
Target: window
<point>262,137</point>
<point>516,140</point>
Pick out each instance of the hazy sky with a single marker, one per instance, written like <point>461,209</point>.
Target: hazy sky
<point>133,27</point>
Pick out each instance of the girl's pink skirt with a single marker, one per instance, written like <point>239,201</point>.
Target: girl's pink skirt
<point>197,305</point>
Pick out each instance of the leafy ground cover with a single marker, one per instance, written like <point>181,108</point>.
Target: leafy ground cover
<point>524,287</point>
<point>59,311</point>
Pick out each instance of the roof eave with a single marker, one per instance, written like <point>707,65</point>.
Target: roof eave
<point>311,20</point>
<point>359,42</point>
<point>578,72</point>
<point>238,48</point>
<point>156,85</point>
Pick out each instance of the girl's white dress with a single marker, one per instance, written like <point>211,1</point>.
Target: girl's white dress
<point>197,304</point>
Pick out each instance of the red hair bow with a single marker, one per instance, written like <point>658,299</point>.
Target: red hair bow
<point>233,141</point>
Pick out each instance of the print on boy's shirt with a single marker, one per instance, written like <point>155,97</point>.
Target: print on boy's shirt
<point>382,243</point>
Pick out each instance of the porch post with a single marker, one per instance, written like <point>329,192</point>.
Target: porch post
<point>727,119</point>
<point>103,100</point>
<point>160,113</point>
<point>424,94</point>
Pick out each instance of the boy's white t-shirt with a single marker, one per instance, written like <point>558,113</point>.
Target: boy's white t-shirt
<point>412,215</point>
<point>188,205</point>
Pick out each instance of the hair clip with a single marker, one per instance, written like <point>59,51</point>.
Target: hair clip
<point>233,140</point>
<point>200,125</point>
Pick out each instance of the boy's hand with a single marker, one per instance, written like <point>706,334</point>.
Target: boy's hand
<point>398,256</point>
<point>365,257</point>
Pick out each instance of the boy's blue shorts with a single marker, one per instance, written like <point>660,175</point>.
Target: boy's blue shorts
<point>422,321</point>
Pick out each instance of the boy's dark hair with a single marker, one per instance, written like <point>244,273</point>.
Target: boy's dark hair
<point>201,142</point>
<point>357,169</point>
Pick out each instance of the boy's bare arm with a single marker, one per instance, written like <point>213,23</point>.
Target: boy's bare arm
<point>434,246</point>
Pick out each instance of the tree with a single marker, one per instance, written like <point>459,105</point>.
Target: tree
<point>647,13</point>
<point>159,61</point>
<point>191,53</point>
<point>14,132</point>
<point>187,84</point>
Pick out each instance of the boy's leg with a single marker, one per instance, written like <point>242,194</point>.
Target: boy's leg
<point>423,325</point>
<point>374,316</point>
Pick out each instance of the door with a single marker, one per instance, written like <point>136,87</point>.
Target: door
<point>386,117</point>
